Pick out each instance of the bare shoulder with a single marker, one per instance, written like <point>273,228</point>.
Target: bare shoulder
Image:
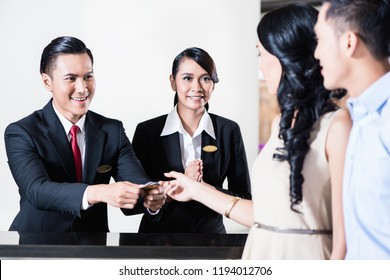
<point>341,122</point>
<point>338,134</point>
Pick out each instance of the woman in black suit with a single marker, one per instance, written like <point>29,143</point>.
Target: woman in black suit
<point>205,146</point>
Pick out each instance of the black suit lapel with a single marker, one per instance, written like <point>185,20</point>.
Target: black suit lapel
<point>94,146</point>
<point>208,158</point>
<point>59,140</point>
<point>171,145</point>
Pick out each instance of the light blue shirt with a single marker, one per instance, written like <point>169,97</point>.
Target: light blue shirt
<point>366,188</point>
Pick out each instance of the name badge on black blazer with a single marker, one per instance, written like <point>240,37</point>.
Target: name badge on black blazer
<point>103,168</point>
<point>210,148</point>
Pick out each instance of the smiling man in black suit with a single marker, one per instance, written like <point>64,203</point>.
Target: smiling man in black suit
<point>63,156</point>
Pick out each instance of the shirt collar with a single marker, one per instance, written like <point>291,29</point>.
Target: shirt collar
<point>371,100</point>
<point>67,125</point>
<point>173,124</point>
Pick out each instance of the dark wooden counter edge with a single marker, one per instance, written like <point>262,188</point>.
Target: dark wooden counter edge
<point>118,252</point>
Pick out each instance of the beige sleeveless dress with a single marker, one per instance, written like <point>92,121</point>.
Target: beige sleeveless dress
<point>270,190</point>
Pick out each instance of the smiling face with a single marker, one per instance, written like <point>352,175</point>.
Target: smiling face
<point>72,85</point>
<point>193,85</point>
<point>271,68</point>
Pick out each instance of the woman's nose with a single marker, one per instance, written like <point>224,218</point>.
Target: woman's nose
<point>197,87</point>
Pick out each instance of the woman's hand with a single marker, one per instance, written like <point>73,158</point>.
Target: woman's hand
<point>180,189</point>
<point>194,170</point>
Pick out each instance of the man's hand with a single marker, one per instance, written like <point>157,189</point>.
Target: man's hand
<point>119,194</point>
<point>155,198</point>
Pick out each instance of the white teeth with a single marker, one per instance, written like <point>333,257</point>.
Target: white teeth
<point>195,97</point>
<point>79,98</point>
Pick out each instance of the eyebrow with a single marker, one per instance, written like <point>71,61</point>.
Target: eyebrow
<point>75,75</point>
<point>190,74</point>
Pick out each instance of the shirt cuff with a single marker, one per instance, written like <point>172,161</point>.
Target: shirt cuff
<point>151,212</point>
<point>85,205</point>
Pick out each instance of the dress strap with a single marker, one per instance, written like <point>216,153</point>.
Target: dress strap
<point>293,230</point>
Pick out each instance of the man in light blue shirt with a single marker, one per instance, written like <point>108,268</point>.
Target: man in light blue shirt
<point>353,50</point>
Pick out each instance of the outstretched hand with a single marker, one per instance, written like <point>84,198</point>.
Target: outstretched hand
<point>155,198</point>
<point>180,189</point>
<point>118,194</point>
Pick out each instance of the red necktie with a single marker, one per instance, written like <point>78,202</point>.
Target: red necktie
<point>76,152</point>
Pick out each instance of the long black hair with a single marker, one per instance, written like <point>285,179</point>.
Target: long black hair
<point>202,58</point>
<point>288,33</point>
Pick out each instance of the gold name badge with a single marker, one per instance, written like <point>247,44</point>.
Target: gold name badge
<point>104,168</point>
<point>210,149</point>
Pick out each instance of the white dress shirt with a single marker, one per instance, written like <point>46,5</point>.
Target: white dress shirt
<point>190,147</point>
<point>67,125</point>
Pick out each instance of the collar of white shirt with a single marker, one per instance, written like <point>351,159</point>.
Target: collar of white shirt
<point>67,125</point>
<point>173,124</point>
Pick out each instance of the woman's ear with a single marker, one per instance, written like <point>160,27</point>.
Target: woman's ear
<point>173,83</point>
<point>46,81</point>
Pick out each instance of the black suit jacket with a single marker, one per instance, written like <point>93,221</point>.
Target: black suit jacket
<point>160,154</point>
<point>41,162</point>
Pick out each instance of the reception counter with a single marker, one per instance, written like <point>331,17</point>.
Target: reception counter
<point>14,245</point>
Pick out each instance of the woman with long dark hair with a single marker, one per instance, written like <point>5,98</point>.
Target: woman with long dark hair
<point>207,147</point>
<point>296,211</point>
